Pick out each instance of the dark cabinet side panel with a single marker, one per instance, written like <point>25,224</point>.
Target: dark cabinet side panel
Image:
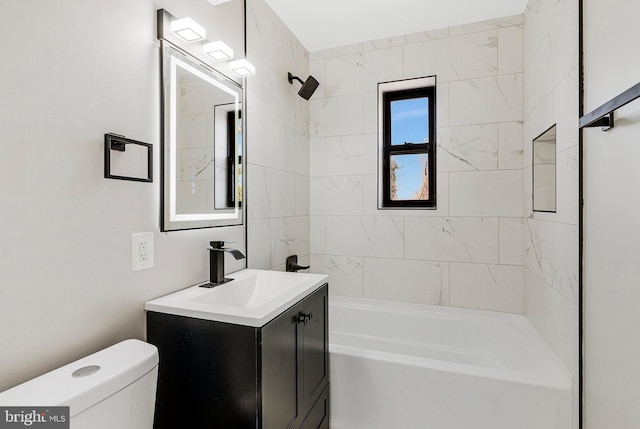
<point>206,375</point>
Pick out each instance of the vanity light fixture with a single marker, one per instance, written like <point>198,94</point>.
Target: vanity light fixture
<point>218,50</point>
<point>242,67</point>
<point>188,30</point>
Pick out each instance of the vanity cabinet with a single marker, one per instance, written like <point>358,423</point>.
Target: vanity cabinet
<point>222,375</point>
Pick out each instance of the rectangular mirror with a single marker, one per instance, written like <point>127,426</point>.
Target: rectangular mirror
<point>544,171</point>
<point>202,144</point>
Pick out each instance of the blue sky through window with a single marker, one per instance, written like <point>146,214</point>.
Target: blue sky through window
<point>410,121</point>
<point>410,174</point>
<point>410,124</point>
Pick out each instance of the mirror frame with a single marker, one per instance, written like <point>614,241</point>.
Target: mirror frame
<point>170,57</point>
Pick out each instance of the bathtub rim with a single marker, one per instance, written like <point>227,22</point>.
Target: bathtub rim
<point>557,376</point>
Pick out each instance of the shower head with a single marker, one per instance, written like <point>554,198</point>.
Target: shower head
<point>308,87</point>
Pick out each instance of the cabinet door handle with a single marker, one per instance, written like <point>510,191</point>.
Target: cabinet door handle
<point>304,318</point>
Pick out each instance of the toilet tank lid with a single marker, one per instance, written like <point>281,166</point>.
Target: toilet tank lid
<point>120,365</point>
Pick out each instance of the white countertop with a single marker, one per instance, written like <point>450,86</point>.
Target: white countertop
<point>253,298</point>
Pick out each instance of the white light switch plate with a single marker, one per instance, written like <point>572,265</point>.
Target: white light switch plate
<point>141,250</point>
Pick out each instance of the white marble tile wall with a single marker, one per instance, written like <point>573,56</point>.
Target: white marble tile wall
<point>278,147</point>
<point>550,240</point>
<point>469,251</point>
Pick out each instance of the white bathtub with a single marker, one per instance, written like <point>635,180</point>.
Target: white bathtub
<point>409,366</point>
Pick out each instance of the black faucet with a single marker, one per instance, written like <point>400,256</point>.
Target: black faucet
<point>216,263</point>
<point>292,264</point>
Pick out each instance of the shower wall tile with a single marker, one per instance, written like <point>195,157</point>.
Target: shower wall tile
<point>317,70</point>
<point>370,183</point>
<point>361,72</point>
<point>486,193</point>
<point>567,186</point>
<point>556,318</point>
<point>384,43</point>
<point>452,239</point>
<point>476,55</point>
<point>318,234</point>
<point>333,52</point>
<point>262,138</point>
<point>348,155</point>
<point>486,100</point>
<point>271,192</point>
<point>374,236</point>
<point>551,239</point>
<point>284,103</point>
<point>260,245</point>
<point>530,295</point>
<point>565,265</point>
<point>338,195</point>
<point>345,273</point>
<point>335,116</point>
<point>510,49</point>
<point>317,157</point>
<point>291,150</point>
<point>442,104</point>
<point>425,36</point>
<point>478,219</point>
<point>467,148</point>
<point>278,143</point>
<point>303,193</point>
<point>511,241</point>
<point>487,287</point>
<point>551,251</point>
<point>288,56</point>
<point>506,21</point>
<point>510,146</point>
<point>291,237</point>
<point>260,33</point>
<point>281,186</point>
<point>565,113</point>
<point>406,280</point>
<point>370,112</point>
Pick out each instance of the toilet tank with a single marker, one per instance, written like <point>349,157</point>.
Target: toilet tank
<point>113,388</point>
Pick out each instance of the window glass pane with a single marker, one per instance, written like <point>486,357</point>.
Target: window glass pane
<point>410,121</point>
<point>409,177</point>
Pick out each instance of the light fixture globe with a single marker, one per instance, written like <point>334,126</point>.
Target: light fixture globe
<point>188,30</point>
<point>218,50</point>
<point>242,67</point>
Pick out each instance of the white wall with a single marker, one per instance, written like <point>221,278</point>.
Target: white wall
<point>278,153</point>
<point>611,213</point>
<point>468,252</point>
<point>551,239</point>
<point>70,72</point>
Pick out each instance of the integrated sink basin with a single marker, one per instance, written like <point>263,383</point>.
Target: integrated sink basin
<point>253,298</point>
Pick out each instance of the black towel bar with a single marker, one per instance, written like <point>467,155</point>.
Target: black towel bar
<point>603,115</point>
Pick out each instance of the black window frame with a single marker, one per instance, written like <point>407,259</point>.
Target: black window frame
<point>231,158</point>
<point>388,150</point>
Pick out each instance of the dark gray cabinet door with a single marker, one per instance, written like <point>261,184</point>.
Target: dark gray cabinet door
<point>294,362</point>
<point>318,417</point>
<point>281,371</point>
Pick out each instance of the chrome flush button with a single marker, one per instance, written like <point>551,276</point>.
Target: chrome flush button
<point>85,371</point>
